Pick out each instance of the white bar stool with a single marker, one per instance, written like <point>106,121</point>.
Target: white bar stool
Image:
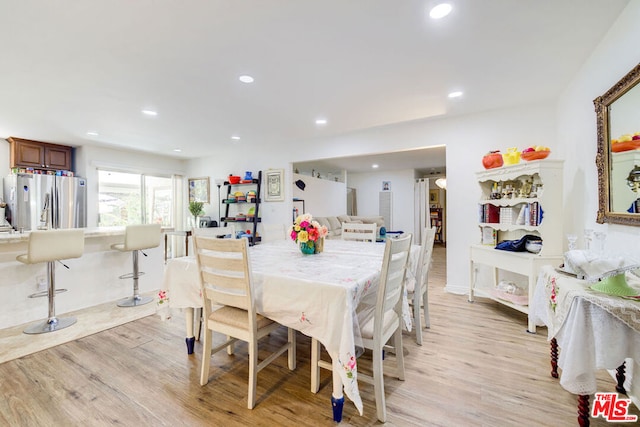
<point>137,238</point>
<point>51,246</point>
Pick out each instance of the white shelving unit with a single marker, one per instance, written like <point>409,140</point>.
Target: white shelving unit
<point>546,175</point>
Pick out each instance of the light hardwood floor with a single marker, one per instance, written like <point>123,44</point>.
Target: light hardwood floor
<point>477,367</point>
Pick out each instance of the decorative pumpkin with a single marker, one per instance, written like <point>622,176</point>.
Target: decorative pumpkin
<point>492,160</point>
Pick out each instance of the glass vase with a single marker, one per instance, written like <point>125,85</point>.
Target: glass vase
<point>307,247</point>
<point>319,245</point>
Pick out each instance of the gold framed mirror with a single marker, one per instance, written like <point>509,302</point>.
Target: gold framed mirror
<point>617,112</point>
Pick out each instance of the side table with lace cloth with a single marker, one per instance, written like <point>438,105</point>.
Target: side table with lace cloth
<point>593,330</point>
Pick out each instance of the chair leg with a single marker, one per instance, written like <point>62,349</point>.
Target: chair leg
<point>417,321</point>
<point>52,323</point>
<point>315,367</point>
<point>425,300</point>
<point>198,324</point>
<point>253,373</point>
<point>291,353</point>
<point>136,299</point>
<point>378,385</point>
<point>397,342</point>
<point>206,357</point>
<point>230,347</point>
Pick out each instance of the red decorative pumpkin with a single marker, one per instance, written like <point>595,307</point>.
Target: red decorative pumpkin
<point>492,160</point>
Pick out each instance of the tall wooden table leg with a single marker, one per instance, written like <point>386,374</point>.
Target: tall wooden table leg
<point>583,410</point>
<point>554,358</point>
<point>620,377</point>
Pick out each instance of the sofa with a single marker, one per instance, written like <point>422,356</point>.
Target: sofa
<point>334,223</point>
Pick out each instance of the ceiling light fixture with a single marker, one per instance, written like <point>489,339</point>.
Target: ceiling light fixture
<point>375,166</point>
<point>456,94</point>
<point>321,121</point>
<point>177,150</point>
<point>92,133</point>
<point>150,112</point>
<point>235,137</point>
<point>440,11</point>
<point>442,183</point>
<point>246,79</point>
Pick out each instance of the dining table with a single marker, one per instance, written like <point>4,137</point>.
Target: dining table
<point>588,330</point>
<point>319,295</point>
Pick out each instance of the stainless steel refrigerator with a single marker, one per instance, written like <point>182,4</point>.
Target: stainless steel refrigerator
<point>36,201</point>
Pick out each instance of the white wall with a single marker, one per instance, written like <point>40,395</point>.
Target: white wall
<point>321,197</point>
<point>368,186</point>
<point>616,55</point>
<point>232,159</point>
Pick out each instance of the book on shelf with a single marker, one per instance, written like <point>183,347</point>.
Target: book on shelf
<point>489,236</point>
<point>493,214</point>
<point>506,215</point>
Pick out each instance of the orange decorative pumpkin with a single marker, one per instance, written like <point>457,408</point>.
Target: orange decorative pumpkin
<point>492,160</point>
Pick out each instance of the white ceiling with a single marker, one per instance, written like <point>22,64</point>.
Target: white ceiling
<point>425,162</point>
<point>73,66</point>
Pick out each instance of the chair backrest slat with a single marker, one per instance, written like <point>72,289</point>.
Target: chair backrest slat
<point>359,232</point>
<point>424,260</point>
<point>394,267</point>
<point>225,276</point>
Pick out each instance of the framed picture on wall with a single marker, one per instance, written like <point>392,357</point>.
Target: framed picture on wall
<point>434,197</point>
<point>386,185</point>
<point>274,185</point>
<point>199,189</point>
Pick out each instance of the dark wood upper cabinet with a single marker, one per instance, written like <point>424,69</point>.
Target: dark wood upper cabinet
<point>39,155</point>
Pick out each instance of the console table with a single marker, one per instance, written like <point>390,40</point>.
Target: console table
<point>593,331</point>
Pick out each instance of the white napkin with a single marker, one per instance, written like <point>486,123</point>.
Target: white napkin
<point>591,267</point>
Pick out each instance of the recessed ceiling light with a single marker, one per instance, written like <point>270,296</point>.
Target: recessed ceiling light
<point>177,150</point>
<point>440,11</point>
<point>456,94</point>
<point>150,112</point>
<point>375,166</point>
<point>246,79</point>
<point>235,137</point>
<point>92,133</point>
<point>321,121</point>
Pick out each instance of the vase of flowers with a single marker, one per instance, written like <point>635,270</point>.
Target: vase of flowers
<point>308,234</point>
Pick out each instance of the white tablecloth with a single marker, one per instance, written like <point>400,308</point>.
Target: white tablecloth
<point>593,330</point>
<point>315,294</point>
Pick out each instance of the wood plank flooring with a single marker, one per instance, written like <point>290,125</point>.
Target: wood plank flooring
<point>477,367</point>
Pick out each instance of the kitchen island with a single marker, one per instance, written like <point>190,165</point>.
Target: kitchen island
<point>91,280</point>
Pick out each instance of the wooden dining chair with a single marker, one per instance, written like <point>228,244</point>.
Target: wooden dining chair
<point>229,306</point>
<point>379,324</point>
<point>359,232</point>
<point>419,294</point>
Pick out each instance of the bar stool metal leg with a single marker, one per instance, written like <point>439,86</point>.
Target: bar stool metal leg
<point>136,299</point>
<point>52,323</point>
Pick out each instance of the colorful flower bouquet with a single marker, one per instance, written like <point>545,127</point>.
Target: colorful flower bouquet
<point>308,233</point>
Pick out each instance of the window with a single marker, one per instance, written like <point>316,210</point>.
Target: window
<point>131,198</point>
